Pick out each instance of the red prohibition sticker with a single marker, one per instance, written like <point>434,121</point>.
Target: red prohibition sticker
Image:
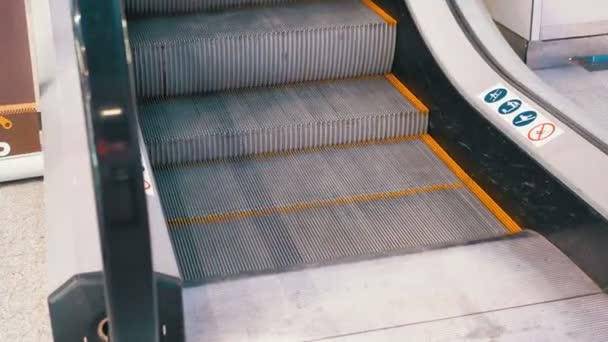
<point>147,185</point>
<point>542,131</point>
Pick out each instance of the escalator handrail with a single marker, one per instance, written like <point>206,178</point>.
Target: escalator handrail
<point>110,111</point>
<point>483,51</point>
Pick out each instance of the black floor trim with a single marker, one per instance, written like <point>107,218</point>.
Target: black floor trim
<point>77,307</point>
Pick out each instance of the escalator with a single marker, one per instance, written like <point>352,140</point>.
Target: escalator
<point>280,140</point>
<point>314,186</point>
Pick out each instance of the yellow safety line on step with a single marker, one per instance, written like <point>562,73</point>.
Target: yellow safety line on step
<point>510,225</point>
<point>407,93</point>
<point>379,11</point>
<point>175,223</point>
<point>18,108</point>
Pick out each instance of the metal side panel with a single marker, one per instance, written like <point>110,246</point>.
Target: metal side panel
<point>581,319</point>
<point>259,47</point>
<point>567,157</point>
<point>73,245</point>
<point>587,89</point>
<point>286,118</point>
<point>557,53</point>
<point>75,278</point>
<point>163,256</point>
<point>377,294</point>
<point>165,7</point>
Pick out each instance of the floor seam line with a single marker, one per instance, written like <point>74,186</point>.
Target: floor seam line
<point>456,317</point>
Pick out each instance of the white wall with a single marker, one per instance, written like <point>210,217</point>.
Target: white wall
<point>551,19</point>
<point>513,14</point>
<point>573,18</point>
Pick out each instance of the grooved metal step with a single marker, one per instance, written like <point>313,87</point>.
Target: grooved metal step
<point>274,213</point>
<point>284,118</point>
<point>308,41</point>
<point>166,7</point>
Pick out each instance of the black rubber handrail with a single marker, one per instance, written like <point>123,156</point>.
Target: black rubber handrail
<point>109,100</point>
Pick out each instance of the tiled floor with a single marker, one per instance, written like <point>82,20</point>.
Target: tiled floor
<point>23,290</point>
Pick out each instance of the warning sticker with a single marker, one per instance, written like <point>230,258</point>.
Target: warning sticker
<point>541,132</point>
<point>528,121</point>
<point>147,180</point>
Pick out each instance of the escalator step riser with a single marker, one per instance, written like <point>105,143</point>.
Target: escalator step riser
<point>246,122</point>
<point>167,7</point>
<point>283,139</point>
<point>262,59</point>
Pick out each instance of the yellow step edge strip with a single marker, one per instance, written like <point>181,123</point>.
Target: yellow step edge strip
<point>407,93</point>
<point>510,225</point>
<point>175,223</point>
<point>18,108</point>
<point>379,11</point>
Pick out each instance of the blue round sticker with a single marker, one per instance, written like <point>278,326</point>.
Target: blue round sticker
<point>525,118</point>
<point>495,95</point>
<point>509,107</point>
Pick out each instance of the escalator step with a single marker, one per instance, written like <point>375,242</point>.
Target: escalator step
<point>280,242</point>
<point>184,55</point>
<point>166,7</point>
<point>273,213</point>
<point>254,121</point>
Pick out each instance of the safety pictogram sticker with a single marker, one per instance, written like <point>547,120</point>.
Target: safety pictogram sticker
<point>542,131</point>
<point>522,117</point>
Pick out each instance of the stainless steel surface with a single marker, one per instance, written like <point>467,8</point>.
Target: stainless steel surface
<point>280,180</point>
<point>320,302</point>
<point>504,60</point>
<point>587,89</point>
<point>277,119</point>
<point>71,215</point>
<point>556,53</point>
<point>156,7</point>
<point>270,214</point>
<point>580,319</point>
<point>566,157</point>
<point>263,46</point>
<point>389,292</point>
<point>163,256</point>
